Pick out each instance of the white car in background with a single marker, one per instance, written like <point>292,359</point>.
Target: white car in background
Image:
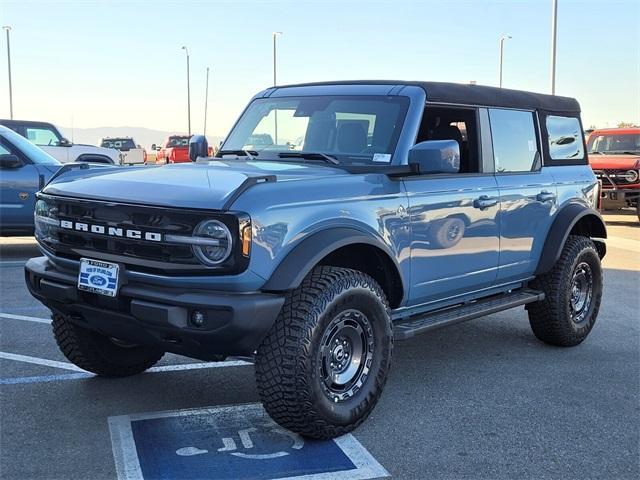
<point>131,152</point>
<point>48,137</point>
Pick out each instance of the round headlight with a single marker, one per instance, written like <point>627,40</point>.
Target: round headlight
<point>212,243</point>
<point>631,176</point>
<point>42,209</point>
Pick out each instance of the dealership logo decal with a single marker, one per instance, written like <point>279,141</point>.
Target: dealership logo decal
<point>119,232</point>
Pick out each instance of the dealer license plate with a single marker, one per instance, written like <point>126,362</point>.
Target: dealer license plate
<point>98,277</point>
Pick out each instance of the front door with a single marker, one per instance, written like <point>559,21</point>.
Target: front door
<point>454,217</point>
<point>17,192</point>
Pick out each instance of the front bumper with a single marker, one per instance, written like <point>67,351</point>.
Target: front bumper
<point>235,323</point>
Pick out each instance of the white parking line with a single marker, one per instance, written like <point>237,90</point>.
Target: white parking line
<point>40,361</point>
<point>26,318</point>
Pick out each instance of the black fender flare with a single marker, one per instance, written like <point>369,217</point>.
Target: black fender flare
<point>566,219</point>
<point>306,255</point>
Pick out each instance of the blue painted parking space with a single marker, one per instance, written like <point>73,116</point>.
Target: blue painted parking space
<point>236,442</point>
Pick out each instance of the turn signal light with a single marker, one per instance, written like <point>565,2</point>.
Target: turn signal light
<point>246,240</point>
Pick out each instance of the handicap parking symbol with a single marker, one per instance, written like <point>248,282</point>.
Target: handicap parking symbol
<point>230,443</point>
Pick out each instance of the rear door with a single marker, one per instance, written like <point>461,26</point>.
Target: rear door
<point>528,194</point>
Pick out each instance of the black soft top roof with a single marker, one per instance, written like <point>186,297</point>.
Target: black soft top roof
<point>468,94</point>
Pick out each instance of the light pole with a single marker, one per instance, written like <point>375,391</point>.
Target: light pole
<point>275,35</point>
<point>7,28</point>
<point>275,112</point>
<point>554,31</point>
<point>502,39</point>
<point>206,99</point>
<point>188,91</point>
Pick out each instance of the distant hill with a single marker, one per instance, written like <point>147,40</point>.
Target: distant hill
<point>143,136</point>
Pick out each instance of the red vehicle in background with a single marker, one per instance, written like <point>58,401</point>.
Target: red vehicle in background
<point>174,149</point>
<point>614,156</point>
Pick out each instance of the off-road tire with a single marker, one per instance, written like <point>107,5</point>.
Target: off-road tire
<point>551,319</point>
<point>288,362</point>
<point>99,354</point>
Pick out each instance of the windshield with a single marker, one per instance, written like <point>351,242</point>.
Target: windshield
<point>118,143</point>
<point>29,150</point>
<point>354,130</point>
<point>178,142</point>
<point>614,144</point>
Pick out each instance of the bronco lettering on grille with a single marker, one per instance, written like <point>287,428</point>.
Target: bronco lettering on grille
<point>119,232</point>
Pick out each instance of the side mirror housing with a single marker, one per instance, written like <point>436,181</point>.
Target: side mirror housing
<point>64,143</point>
<point>10,161</point>
<point>198,147</point>
<point>435,156</point>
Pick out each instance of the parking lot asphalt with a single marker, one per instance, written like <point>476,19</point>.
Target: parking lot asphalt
<point>479,400</point>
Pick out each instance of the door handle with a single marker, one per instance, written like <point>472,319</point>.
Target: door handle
<point>484,202</point>
<point>545,196</point>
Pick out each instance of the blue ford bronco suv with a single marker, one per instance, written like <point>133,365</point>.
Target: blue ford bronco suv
<point>372,211</point>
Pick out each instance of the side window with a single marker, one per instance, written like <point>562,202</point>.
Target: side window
<point>515,146</point>
<point>565,138</point>
<point>454,123</point>
<point>4,150</point>
<point>41,136</point>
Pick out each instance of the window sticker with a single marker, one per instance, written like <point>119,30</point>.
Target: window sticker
<point>382,157</point>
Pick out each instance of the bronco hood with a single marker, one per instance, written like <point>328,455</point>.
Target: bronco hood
<point>614,162</point>
<point>208,185</point>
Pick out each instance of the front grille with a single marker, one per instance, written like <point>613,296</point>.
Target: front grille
<point>614,178</point>
<point>139,254</point>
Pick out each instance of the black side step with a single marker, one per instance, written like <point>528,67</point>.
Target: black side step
<point>411,326</point>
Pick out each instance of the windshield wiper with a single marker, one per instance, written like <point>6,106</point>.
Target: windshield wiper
<point>595,152</point>
<point>251,154</point>
<point>310,156</point>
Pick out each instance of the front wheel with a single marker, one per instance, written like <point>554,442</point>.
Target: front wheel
<point>99,354</point>
<point>322,367</point>
<point>573,292</point>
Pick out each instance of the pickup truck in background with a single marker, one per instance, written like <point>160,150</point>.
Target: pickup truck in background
<point>131,152</point>
<point>48,138</point>
<point>175,149</point>
<point>614,156</point>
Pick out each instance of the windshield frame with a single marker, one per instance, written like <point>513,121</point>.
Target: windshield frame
<point>364,160</point>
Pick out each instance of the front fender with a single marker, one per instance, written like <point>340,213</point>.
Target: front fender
<point>304,256</point>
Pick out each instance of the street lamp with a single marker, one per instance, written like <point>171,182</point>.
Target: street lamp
<point>502,39</point>
<point>554,31</point>
<point>206,100</point>
<point>188,91</point>
<point>275,35</point>
<point>7,28</point>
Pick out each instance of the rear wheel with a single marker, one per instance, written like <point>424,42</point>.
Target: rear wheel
<point>99,354</point>
<point>322,366</point>
<point>573,291</point>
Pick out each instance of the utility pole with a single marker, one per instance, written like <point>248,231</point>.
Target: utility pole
<point>554,34</point>
<point>206,99</point>
<point>7,28</point>
<point>502,39</point>
<point>188,91</point>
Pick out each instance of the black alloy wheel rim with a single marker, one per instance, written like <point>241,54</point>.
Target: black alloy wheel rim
<point>346,352</point>
<point>581,294</point>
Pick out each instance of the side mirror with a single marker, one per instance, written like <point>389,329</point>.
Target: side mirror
<point>64,143</point>
<point>198,147</point>
<point>10,161</point>
<point>435,156</point>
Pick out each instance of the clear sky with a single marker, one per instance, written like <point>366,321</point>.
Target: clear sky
<point>115,63</point>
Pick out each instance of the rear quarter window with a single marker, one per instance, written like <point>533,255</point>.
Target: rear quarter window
<point>565,138</point>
